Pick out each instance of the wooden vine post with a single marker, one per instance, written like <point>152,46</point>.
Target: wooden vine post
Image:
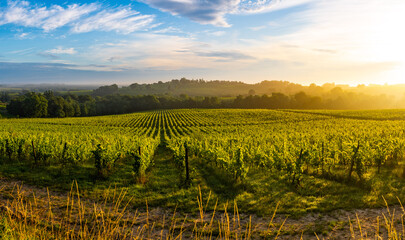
<point>349,176</point>
<point>186,163</point>
<point>34,153</point>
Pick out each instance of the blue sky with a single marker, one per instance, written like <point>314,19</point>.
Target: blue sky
<point>303,41</point>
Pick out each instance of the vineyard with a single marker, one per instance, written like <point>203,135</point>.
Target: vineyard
<point>305,161</point>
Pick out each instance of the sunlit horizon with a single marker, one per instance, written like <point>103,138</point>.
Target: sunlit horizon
<point>299,41</point>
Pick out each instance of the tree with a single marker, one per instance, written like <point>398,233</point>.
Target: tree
<point>15,106</point>
<point>55,105</point>
<point>69,108</point>
<point>251,92</point>
<point>106,90</point>
<point>29,105</point>
<point>5,97</point>
<point>35,105</point>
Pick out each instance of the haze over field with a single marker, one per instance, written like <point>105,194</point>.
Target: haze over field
<point>301,41</point>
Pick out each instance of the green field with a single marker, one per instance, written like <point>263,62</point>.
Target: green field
<point>305,161</point>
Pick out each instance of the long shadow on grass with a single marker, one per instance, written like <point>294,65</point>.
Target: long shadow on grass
<point>50,176</point>
<point>165,175</point>
<point>221,184</point>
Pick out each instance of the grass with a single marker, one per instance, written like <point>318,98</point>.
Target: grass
<point>40,214</point>
<point>35,216</point>
<point>163,188</point>
<point>259,194</point>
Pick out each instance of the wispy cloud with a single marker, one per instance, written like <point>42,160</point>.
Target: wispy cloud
<point>152,51</point>
<point>214,11</point>
<point>168,30</point>
<point>258,28</point>
<point>78,17</point>
<point>54,54</point>
<point>145,51</point>
<point>48,55</point>
<point>61,50</point>
<point>22,35</point>
<point>216,33</point>
<point>225,55</point>
<point>257,6</point>
<point>22,51</point>
<point>122,20</point>
<point>22,13</point>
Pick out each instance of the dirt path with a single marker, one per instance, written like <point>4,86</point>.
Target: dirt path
<point>333,225</point>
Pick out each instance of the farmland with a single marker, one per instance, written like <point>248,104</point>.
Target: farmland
<point>299,162</point>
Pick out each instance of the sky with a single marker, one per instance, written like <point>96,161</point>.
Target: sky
<point>104,42</point>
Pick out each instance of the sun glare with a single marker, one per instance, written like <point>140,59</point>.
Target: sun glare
<point>385,44</point>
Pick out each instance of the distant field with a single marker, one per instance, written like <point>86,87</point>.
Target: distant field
<point>10,89</point>
<point>307,161</point>
<point>77,92</point>
<point>396,114</point>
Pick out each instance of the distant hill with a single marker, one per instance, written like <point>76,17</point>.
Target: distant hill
<point>44,87</point>
<point>210,88</point>
<point>217,88</point>
<point>214,88</point>
<point>204,88</point>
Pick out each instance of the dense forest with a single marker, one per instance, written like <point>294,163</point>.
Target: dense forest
<point>112,99</point>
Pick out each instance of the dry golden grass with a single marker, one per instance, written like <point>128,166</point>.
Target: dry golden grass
<point>45,215</point>
<point>392,226</point>
<point>27,216</point>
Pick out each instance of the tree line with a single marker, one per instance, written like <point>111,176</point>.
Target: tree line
<point>48,104</point>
